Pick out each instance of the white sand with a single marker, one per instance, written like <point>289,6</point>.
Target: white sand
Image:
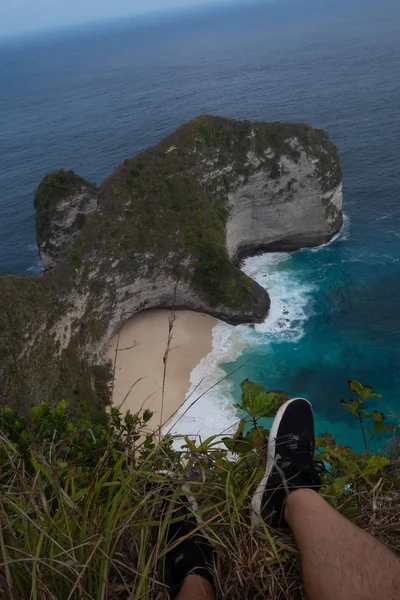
<point>139,350</point>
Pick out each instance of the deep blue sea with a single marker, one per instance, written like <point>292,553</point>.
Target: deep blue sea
<point>88,98</point>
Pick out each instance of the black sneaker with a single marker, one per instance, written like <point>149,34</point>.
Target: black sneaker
<point>191,551</point>
<point>290,463</point>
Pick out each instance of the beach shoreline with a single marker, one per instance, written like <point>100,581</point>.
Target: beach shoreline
<point>137,353</point>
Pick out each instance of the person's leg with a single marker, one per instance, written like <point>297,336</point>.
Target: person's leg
<point>196,588</point>
<point>339,560</point>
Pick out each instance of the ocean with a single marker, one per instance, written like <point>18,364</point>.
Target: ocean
<point>85,99</point>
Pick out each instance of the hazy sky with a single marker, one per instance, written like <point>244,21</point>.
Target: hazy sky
<point>30,15</point>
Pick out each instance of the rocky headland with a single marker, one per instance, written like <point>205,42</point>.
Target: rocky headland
<point>167,229</point>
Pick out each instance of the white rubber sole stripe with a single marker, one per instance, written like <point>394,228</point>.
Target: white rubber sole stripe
<point>256,519</point>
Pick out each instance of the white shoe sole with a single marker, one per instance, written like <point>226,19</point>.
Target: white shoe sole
<point>256,519</point>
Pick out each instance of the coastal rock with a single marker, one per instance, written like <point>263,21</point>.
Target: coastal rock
<point>296,210</point>
<point>63,202</point>
<point>167,229</point>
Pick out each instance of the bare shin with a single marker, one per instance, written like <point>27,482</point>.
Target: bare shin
<point>339,560</point>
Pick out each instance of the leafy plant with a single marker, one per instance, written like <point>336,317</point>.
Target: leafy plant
<point>345,471</point>
<point>356,407</point>
<point>257,404</point>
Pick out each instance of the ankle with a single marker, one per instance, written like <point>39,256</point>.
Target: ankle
<point>196,587</point>
<point>302,500</point>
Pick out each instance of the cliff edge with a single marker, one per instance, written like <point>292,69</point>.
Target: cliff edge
<point>167,229</point>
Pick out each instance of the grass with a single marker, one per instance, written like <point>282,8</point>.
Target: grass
<point>90,526</point>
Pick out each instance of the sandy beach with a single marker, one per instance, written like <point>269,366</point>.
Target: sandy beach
<point>139,350</point>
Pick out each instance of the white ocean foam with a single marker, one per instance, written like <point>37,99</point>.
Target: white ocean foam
<point>289,298</point>
<point>208,409</point>
<point>344,233</point>
<point>36,269</point>
<point>340,236</point>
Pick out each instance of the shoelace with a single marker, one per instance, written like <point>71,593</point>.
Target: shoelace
<point>298,446</point>
<point>291,447</point>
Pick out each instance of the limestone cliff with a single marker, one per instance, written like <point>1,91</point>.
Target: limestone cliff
<point>166,229</point>
<point>63,202</point>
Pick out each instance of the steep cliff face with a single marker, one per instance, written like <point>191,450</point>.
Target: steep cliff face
<point>63,202</point>
<point>294,211</point>
<point>165,230</point>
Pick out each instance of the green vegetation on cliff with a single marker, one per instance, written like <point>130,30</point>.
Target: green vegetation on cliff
<point>31,358</point>
<point>56,185</point>
<point>26,306</point>
<point>82,505</point>
<point>171,203</point>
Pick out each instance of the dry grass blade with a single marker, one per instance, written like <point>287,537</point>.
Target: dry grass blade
<point>171,320</point>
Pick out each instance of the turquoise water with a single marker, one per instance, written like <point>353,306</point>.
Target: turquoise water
<point>87,99</point>
<point>335,318</point>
